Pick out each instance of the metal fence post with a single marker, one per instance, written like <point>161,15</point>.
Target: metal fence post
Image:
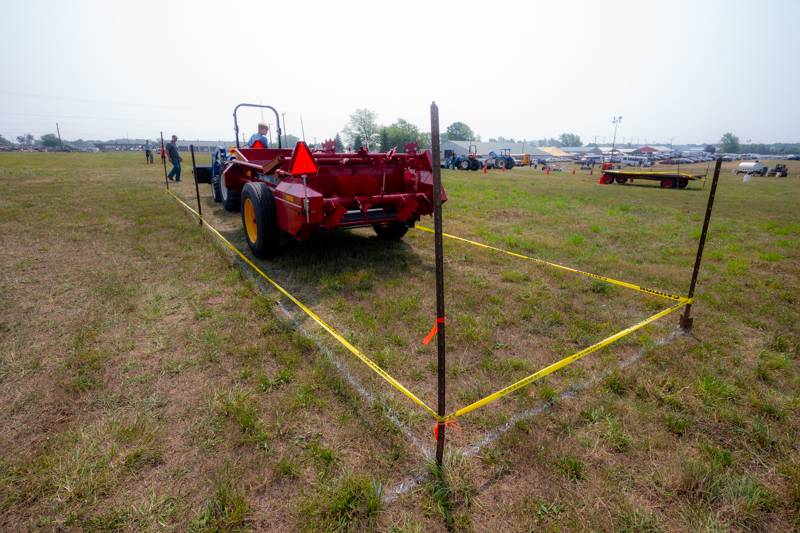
<point>440,322</point>
<point>164,161</point>
<point>196,186</point>
<point>686,319</point>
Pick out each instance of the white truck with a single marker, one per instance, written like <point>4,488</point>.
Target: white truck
<point>752,168</point>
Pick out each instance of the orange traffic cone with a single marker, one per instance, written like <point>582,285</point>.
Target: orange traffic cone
<point>573,171</point>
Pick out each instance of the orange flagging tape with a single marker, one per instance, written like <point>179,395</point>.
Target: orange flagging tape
<point>434,330</point>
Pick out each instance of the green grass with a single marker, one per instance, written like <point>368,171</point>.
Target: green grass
<point>153,365</point>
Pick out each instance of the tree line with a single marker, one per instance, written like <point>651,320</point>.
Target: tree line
<point>362,129</point>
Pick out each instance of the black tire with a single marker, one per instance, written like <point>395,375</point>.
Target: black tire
<point>261,232</point>
<point>474,164</point>
<point>621,179</point>
<point>683,183</point>
<point>509,163</point>
<point>499,164</point>
<point>231,200</point>
<point>216,193</point>
<point>390,231</point>
<point>464,164</point>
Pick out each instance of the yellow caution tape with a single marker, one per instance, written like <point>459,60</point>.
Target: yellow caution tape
<point>494,396</point>
<point>561,364</point>
<point>335,334</point>
<point>646,290</point>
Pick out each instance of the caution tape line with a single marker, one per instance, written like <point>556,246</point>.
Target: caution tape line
<point>324,325</point>
<point>646,290</point>
<point>561,364</point>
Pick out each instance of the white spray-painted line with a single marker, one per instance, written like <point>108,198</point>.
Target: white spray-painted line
<point>365,394</point>
<point>568,394</point>
<point>412,481</point>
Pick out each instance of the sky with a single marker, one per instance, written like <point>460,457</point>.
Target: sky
<point>676,71</point>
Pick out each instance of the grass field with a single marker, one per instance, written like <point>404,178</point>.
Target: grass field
<point>147,381</point>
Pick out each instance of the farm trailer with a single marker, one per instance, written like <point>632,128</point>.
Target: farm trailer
<point>668,180</point>
<point>293,193</point>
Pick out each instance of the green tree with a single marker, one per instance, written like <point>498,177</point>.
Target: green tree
<point>458,131</point>
<point>384,140</point>
<point>729,143</point>
<point>289,141</point>
<point>570,139</point>
<point>338,146</point>
<point>5,142</point>
<point>399,134</point>
<point>710,148</point>
<point>357,143</point>
<point>25,140</point>
<point>49,140</point>
<point>363,123</point>
<point>425,140</point>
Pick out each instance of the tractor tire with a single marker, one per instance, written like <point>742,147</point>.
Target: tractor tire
<point>260,220</point>
<point>474,164</point>
<point>682,183</point>
<point>464,164</point>
<point>390,231</point>
<point>509,163</point>
<point>231,199</point>
<point>667,183</point>
<point>216,192</point>
<point>499,164</point>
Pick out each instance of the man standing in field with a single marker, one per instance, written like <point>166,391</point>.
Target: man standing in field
<point>174,158</point>
<point>259,140</point>
<point>148,152</point>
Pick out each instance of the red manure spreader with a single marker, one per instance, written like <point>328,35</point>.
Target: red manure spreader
<point>296,192</point>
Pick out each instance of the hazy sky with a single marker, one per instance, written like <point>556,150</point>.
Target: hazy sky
<point>687,71</point>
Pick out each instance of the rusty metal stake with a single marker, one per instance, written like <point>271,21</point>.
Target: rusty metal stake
<point>437,239</point>
<point>196,186</point>
<point>164,161</point>
<point>686,320</point>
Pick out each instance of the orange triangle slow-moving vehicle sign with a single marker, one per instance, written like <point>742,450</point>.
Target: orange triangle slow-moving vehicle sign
<point>302,160</point>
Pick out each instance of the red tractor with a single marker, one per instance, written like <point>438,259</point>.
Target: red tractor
<point>293,193</point>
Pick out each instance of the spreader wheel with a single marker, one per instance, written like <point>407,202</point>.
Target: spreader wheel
<point>259,219</point>
<point>667,183</point>
<point>682,183</point>
<point>390,231</point>
<point>231,199</point>
<point>621,179</point>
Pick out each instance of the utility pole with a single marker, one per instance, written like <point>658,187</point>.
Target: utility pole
<point>59,137</point>
<point>615,121</point>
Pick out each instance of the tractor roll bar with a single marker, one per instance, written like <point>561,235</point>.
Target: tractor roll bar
<point>259,106</point>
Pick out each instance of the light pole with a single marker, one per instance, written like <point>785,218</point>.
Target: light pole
<point>615,121</point>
